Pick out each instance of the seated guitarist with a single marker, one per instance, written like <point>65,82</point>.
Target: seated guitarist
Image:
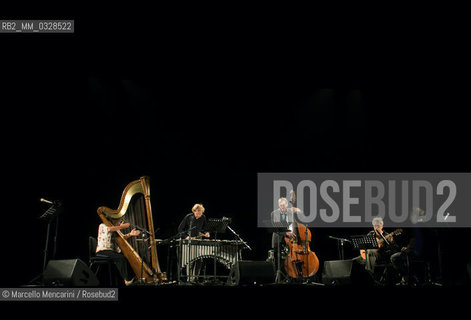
<point>376,256</point>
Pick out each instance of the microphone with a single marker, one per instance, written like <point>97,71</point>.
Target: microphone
<point>192,218</point>
<point>137,227</point>
<point>46,201</point>
<point>340,239</point>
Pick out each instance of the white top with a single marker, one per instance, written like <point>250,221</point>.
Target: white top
<point>289,218</point>
<point>105,240</point>
<point>277,218</point>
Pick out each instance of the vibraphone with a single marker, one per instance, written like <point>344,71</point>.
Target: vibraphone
<point>226,252</point>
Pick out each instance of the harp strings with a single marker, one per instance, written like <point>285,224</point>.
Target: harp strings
<point>136,215</point>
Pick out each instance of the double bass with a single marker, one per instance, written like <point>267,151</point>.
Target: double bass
<point>300,262</point>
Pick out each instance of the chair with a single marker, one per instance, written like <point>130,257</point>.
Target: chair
<point>419,269</point>
<point>96,261</point>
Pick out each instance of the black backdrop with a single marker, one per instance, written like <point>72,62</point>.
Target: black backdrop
<point>202,101</point>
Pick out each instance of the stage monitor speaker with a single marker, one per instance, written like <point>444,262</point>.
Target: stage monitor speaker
<point>345,272</point>
<point>69,273</point>
<point>247,272</point>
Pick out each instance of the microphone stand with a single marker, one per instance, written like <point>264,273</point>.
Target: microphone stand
<point>47,244</point>
<point>189,250</point>
<point>144,234</point>
<point>140,228</point>
<point>179,251</point>
<point>245,243</point>
<point>51,214</point>
<point>172,238</point>
<point>340,244</point>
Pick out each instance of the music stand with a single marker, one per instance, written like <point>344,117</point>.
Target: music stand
<point>363,242</point>
<point>280,228</point>
<point>217,226</point>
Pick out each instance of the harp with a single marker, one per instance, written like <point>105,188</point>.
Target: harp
<point>135,208</point>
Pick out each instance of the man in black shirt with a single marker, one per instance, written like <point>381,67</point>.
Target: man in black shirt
<point>194,223</point>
